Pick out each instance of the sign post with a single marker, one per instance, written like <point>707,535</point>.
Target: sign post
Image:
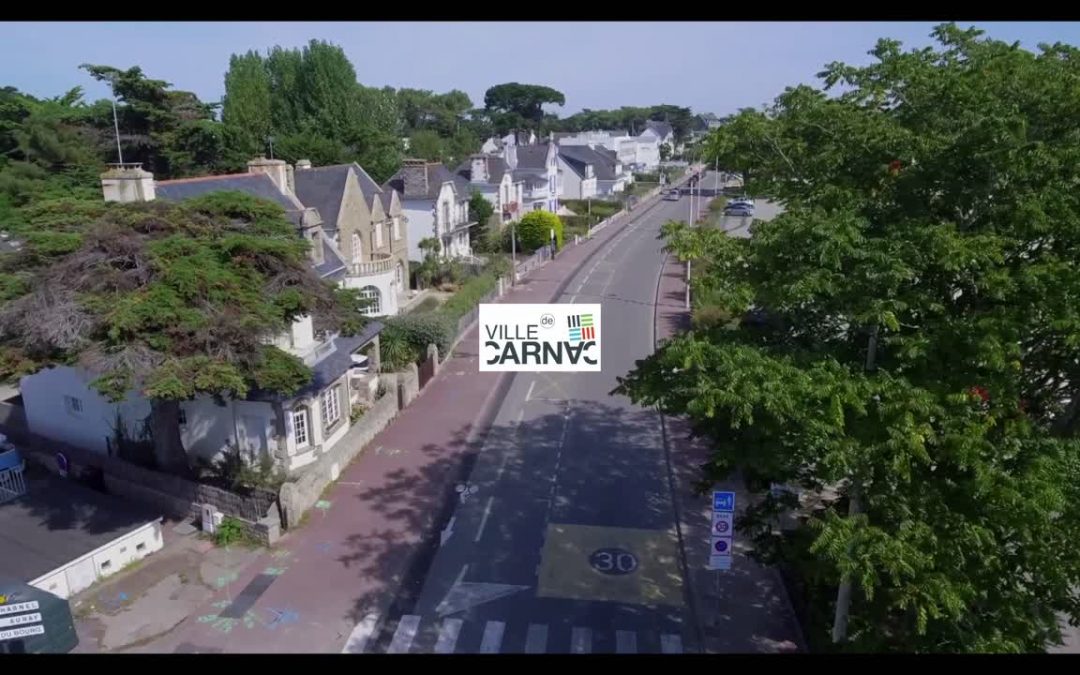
<point>723,526</point>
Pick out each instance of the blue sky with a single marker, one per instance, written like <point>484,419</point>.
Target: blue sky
<point>717,67</point>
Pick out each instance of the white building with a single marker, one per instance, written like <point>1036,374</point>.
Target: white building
<point>490,175</point>
<point>610,176</point>
<point>578,172</point>
<point>435,203</point>
<point>537,167</point>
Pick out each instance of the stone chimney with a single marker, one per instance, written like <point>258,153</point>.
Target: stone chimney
<point>479,172</point>
<point>303,164</point>
<point>127,183</point>
<point>275,168</point>
<point>414,177</point>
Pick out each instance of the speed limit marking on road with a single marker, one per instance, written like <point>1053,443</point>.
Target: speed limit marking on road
<point>722,524</point>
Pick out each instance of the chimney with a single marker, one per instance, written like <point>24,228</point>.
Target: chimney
<point>275,168</point>
<point>479,173</point>
<point>303,164</point>
<point>414,177</point>
<point>127,183</point>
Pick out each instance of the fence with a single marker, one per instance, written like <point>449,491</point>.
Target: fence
<point>12,484</point>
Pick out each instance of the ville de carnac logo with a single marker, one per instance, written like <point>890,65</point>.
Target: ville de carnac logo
<point>540,338</point>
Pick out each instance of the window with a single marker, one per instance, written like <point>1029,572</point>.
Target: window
<point>395,225</point>
<point>357,248</point>
<point>183,417</point>
<point>106,565</point>
<point>331,407</point>
<point>374,307</point>
<point>537,206</point>
<point>399,274</point>
<point>445,217</point>
<point>73,405</point>
<point>378,235</point>
<point>300,428</point>
<point>141,546</point>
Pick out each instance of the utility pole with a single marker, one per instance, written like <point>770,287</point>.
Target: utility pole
<point>513,253</point>
<point>843,593</point>
<point>116,127</point>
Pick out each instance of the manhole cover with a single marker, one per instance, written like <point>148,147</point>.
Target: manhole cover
<point>615,561</point>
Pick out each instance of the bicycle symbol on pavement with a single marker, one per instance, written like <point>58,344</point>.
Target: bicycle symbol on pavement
<point>465,490</point>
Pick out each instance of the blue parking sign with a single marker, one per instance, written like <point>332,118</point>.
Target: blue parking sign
<point>723,501</point>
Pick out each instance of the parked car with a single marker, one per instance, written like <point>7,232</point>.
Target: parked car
<point>672,195</point>
<point>739,210</point>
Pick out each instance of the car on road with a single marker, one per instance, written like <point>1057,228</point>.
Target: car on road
<point>739,210</point>
<point>672,195</point>
<point>741,201</point>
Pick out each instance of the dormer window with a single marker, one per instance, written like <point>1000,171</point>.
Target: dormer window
<point>357,248</point>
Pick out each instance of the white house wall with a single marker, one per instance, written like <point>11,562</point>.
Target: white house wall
<point>421,225</point>
<point>49,416</point>
<point>212,428</point>
<point>388,293</point>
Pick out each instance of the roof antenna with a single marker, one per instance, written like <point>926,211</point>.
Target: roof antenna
<point>116,128</point>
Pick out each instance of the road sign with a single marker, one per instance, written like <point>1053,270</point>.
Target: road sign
<point>722,523</point>
<point>723,501</point>
<point>20,620</point>
<point>19,607</point>
<point>25,631</point>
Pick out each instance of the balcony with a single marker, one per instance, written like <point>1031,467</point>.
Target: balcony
<point>383,263</point>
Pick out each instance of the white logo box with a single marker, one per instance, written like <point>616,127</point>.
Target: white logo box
<point>551,338</point>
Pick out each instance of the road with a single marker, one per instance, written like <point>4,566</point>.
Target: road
<point>566,540</point>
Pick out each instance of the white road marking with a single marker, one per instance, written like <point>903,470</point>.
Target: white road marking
<point>581,640</point>
<point>528,394</point>
<point>671,644</point>
<point>521,415</point>
<point>493,635</point>
<point>448,635</point>
<point>360,634</point>
<point>483,521</point>
<point>536,641</point>
<point>502,467</point>
<point>625,642</point>
<point>403,636</point>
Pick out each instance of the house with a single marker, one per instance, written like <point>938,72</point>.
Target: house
<point>435,203</point>
<point>294,430</point>
<point>610,175</point>
<point>663,132</point>
<point>367,226</point>
<point>490,175</point>
<point>577,171</point>
<point>623,145</point>
<point>537,167</point>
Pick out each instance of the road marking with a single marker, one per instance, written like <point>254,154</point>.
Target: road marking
<point>483,521</point>
<point>625,642</point>
<point>493,635</point>
<point>528,394</point>
<point>521,415</point>
<point>537,639</point>
<point>502,467</point>
<point>581,640</point>
<point>403,636</point>
<point>448,635</point>
<point>360,634</point>
<point>671,644</point>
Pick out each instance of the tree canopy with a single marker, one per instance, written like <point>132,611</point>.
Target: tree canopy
<point>175,299</point>
<point>900,344</point>
<point>513,105</point>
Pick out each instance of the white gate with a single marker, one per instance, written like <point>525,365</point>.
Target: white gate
<point>12,484</point>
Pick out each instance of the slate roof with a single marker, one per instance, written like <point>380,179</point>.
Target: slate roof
<point>496,167</point>
<point>662,129</point>
<point>603,164</point>
<point>437,174</point>
<point>323,187</point>
<point>528,177</point>
<point>57,521</point>
<point>532,157</point>
<point>330,367</point>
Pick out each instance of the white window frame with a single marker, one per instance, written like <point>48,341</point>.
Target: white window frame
<point>331,406</point>
<point>373,309</point>
<point>73,405</point>
<point>378,235</point>
<point>396,227</point>
<point>301,428</point>
<point>357,247</point>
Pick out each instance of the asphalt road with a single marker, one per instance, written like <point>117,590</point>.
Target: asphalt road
<point>571,483</point>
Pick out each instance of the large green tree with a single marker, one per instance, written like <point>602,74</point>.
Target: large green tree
<point>513,105</point>
<point>174,299</point>
<point>246,108</point>
<point>901,344</point>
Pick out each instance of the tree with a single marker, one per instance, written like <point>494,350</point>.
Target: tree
<point>246,107</point>
<point>900,344</point>
<point>534,230</point>
<point>665,152</point>
<point>515,105</point>
<point>176,300</point>
<point>426,144</point>
<point>481,211</point>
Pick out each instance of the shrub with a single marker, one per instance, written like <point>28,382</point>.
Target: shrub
<point>420,330</point>
<point>534,230</point>
<point>467,297</point>
<point>709,317</point>
<point>230,531</point>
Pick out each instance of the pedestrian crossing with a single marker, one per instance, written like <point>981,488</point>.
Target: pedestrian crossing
<point>412,634</point>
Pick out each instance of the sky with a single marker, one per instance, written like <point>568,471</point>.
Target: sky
<point>707,66</point>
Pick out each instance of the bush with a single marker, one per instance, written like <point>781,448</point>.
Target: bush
<point>717,204</point>
<point>709,317</point>
<point>534,230</point>
<point>230,531</point>
<point>395,349</point>
<point>468,297</point>
<point>420,330</point>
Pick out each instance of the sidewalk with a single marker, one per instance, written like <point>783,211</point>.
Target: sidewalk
<point>381,519</point>
<point>746,608</point>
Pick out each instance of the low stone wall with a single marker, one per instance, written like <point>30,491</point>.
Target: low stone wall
<point>299,494</point>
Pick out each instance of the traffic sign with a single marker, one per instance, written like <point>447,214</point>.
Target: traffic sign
<point>723,501</point>
<point>721,546</point>
<point>722,523</point>
<point>719,562</point>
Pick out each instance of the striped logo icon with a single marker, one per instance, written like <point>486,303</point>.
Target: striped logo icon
<point>581,327</point>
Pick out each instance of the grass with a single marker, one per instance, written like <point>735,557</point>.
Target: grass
<point>428,304</point>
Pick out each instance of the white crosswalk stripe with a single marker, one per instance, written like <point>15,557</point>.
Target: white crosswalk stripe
<point>403,636</point>
<point>671,644</point>
<point>448,635</point>
<point>493,635</point>
<point>625,642</point>
<point>360,634</point>
<point>536,641</point>
<point>581,640</point>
